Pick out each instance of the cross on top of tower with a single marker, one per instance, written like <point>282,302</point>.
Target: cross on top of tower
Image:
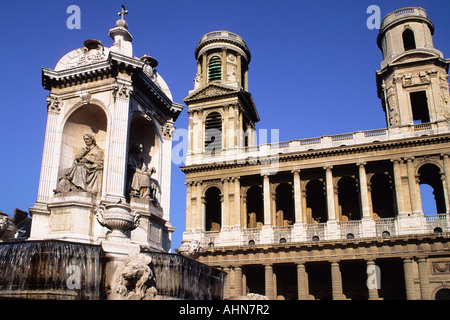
<point>123,12</point>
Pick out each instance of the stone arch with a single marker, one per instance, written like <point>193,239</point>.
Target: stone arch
<point>83,119</point>
<point>429,174</point>
<point>382,193</point>
<point>348,198</point>
<point>255,207</point>
<point>213,132</point>
<point>316,202</point>
<point>213,209</point>
<point>285,212</point>
<point>408,38</point>
<point>144,132</point>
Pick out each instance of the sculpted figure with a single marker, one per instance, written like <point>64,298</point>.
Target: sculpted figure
<point>86,171</point>
<point>134,279</point>
<point>141,184</point>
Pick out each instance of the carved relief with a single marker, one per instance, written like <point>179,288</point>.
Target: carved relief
<point>441,267</point>
<point>134,279</point>
<point>53,104</point>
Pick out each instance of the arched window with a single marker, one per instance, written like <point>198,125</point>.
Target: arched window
<point>382,196</point>
<point>213,133</point>
<point>409,41</point>
<point>431,189</point>
<point>255,207</point>
<point>215,69</point>
<point>213,210</point>
<point>284,205</point>
<point>316,202</point>
<point>348,197</point>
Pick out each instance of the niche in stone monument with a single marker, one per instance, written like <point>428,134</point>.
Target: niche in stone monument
<point>82,151</point>
<point>142,163</point>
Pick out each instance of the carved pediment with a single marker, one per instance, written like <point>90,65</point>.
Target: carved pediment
<point>413,56</point>
<point>209,92</point>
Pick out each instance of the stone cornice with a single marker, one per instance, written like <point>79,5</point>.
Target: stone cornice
<point>406,246</point>
<point>321,154</point>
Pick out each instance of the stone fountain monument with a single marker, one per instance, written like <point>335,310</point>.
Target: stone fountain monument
<point>100,225</point>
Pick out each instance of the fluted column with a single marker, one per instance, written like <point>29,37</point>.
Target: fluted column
<point>409,279</point>
<point>117,156</point>
<point>336,281</point>
<point>398,187</point>
<point>330,194</point>
<point>50,160</point>
<point>425,290</point>
<point>297,197</point>
<point>189,212</point>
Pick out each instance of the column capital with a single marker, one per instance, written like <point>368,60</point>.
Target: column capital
<point>328,167</point>
<point>361,163</point>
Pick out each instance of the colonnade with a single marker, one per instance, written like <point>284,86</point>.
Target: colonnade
<point>404,182</point>
<point>415,289</point>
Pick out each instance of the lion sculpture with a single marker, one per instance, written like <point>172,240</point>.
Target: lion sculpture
<point>134,279</point>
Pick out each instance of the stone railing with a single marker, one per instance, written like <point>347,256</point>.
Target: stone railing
<point>274,150</point>
<point>333,231</point>
<point>401,13</point>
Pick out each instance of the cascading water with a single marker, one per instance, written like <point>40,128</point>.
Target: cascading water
<point>49,270</point>
<point>178,277</point>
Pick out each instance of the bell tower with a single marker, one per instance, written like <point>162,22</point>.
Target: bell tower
<point>222,114</point>
<point>413,80</point>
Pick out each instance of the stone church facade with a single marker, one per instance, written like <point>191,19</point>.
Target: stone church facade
<point>332,217</point>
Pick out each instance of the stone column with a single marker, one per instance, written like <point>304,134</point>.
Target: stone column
<point>189,212</point>
<point>238,281</point>
<point>330,194</point>
<point>425,290</point>
<point>268,275</point>
<point>50,156</point>
<point>336,282</point>
<point>267,199</point>
<point>447,178</point>
<point>413,187</point>
<point>409,279</point>
<point>200,216</point>
<point>236,219</point>
<point>371,286</point>
<point>297,197</point>
<point>117,156</point>
<point>398,187</point>
<point>225,223</point>
<point>365,206</point>
<point>302,282</point>
<point>226,287</point>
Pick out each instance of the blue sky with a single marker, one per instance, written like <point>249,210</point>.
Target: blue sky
<point>312,71</point>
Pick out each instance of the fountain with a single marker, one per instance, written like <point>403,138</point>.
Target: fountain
<point>100,227</point>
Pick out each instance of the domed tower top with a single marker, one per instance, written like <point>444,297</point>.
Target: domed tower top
<point>222,57</point>
<point>404,30</point>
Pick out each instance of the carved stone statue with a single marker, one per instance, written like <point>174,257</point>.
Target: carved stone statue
<point>86,171</point>
<point>134,279</point>
<point>141,184</point>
